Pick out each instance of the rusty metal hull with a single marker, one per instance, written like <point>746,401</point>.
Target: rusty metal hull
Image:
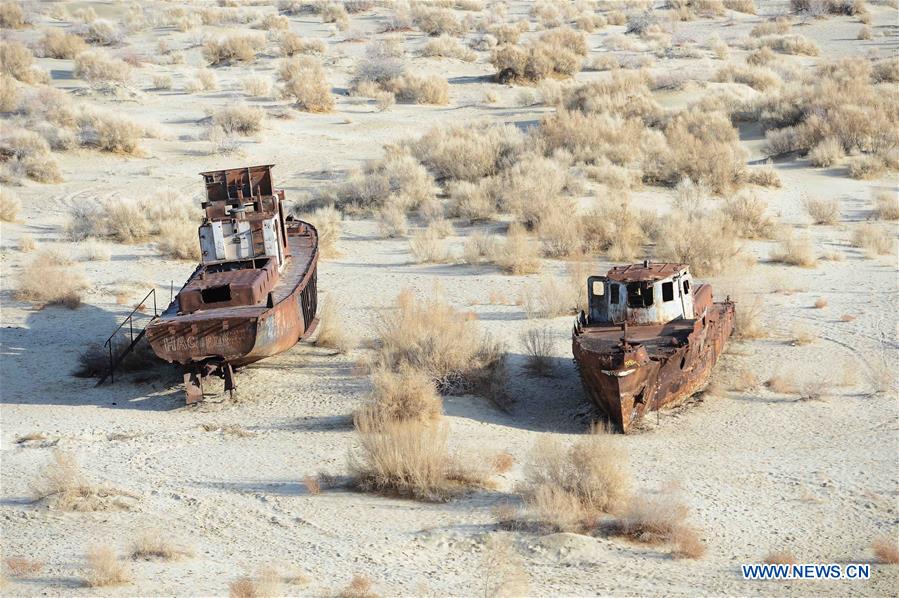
<point>231,337</point>
<point>658,366</point>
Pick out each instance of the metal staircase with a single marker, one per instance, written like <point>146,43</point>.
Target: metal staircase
<point>116,357</point>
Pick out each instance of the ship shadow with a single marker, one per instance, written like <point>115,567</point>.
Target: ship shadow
<point>38,362</point>
<point>553,402</point>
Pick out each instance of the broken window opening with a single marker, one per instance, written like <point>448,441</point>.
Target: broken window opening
<point>639,294</point>
<point>216,294</point>
<point>686,287</point>
<point>614,294</point>
<point>667,291</point>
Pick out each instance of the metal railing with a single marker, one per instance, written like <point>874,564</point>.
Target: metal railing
<point>114,360</point>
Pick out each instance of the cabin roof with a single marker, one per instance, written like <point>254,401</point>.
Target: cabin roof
<point>645,271</point>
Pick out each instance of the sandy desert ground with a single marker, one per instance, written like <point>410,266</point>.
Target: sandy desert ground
<point>811,469</point>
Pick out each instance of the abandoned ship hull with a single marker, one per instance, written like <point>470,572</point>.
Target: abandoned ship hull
<point>240,335</point>
<point>661,366</point>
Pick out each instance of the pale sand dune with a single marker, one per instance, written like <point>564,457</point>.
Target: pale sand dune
<point>761,472</point>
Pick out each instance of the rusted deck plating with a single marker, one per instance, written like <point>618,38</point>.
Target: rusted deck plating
<point>255,293</point>
<point>650,339</point>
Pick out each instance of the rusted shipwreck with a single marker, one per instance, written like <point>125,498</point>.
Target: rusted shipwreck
<point>253,295</point>
<point>649,340</point>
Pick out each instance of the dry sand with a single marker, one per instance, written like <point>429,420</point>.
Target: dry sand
<point>761,472</point>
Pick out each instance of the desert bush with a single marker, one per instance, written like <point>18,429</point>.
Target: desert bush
<point>392,222</point>
<point>204,80</point>
<point>886,70</point>
<point>28,154</point>
<point>22,567</point>
<point>105,568</point>
<point>68,281</point>
<point>870,166</point>
<point>428,245</point>
<point>396,180</point>
<point>472,201</point>
<point>660,519</point>
<point>435,20</point>
<point>822,211</point>
<point>409,458</point>
<point>614,229</point>
<point>240,119</point>
<point>264,585</point>
<point>328,221</point>
<point>306,84</point>
<point>63,486</point>
<point>756,77</point>
<point>257,87</point>
<point>430,336</point>
<point>826,153</point>
<point>790,44</point>
<point>865,33</point>
<point>97,68</point>
<point>873,238</point>
<point>550,298</point>
<point>93,250</point>
<point>795,251</point>
<point>761,56</point>
<point>10,94</point>
<point>332,331</point>
<point>162,82</point>
<point>886,204</point>
<point>177,240</point>
<point>109,133</point>
<point>708,243</point>
<point>538,343</point>
<point>557,53</point>
<point>516,254</point>
<point>292,44</point>
<point>531,189</point>
<point>885,550</point>
<point>747,321</point>
<point>467,153</point>
<point>273,22</point>
<point>568,489</point>
<point>11,15</point>
<point>9,206</point>
<point>235,47</point>
<point>764,177</point>
<point>100,32</point>
<point>153,544</point>
<point>413,89</point>
<point>447,47</point>
<point>402,395</point>
<point>59,44</point>
<point>17,61</point>
<point>744,6</point>
<point>560,234</point>
<point>746,212</point>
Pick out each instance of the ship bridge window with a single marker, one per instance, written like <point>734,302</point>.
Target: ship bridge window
<point>686,287</point>
<point>639,294</point>
<point>614,294</point>
<point>667,291</point>
<point>216,294</point>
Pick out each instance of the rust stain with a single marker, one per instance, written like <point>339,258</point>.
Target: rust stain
<point>650,340</point>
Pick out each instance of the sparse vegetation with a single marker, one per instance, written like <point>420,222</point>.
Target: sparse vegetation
<point>68,281</point>
<point>403,395</point>
<point>235,47</point>
<point>538,346</point>
<point>822,211</point>
<point>886,204</point>
<point>63,486</point>
<point>332,332</point>
<point>660,518</point>
<point>886,551</point>
<point>239,119</point>
<point>105,568</point>
<point>780,557</point>
<point>796,250</point>
<point>153,544</point>
<point>23,567</point>
<point>304,82</point>
<point>9,206</point>
<point>875,239</point>
<point>59,44</point>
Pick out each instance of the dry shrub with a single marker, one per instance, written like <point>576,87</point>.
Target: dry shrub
<point>660,519</point>
<point>97,68</point>
<point>306,84</point>
<point>707,242</point>
<point>873,166</point>
<point>272,22</point>
<point>265,584</point>
<point>795,251</point>
<point>153,544</point>
<point>105,568</point>
<point>240,119</point>
<point>873,238</point>
<point>428,245</point>
<point>820,302</point>
<point>313,486</point>
<point>109,133</point>
<point>761,56</point>
<point>359,587</point>
<point>517,254</point>
<point>413,89</point>
<point>17,61</point>
<point>397,180</point>
<point>781,385</point>
<point>744,6</point>
<point>538,343</point>
<point>235,47</point>
<point>333,12</point>
<point>9,206</point>
<point>802,336</point>
<point>551,298</point>
<point>178,240</point>
<point>472,201</point>
<point>746,212</point>
<point>780,557</point>
<point>292,44</point>
<point>886,204</point>
<point>408,458</point>
<point>531,190</point>
<point>502,462</point>
<point>100,32</point>
<point>764,177</point>
<point>885,550</point>
<point>790,44</point>
<point>328,221</point>
<point>93,250</point>
<point>448,47</point>
<point>403,395</point>
<point>467,152</point>
<point>68,281</point>
<point>22,567</point>
<point>392,222</point>
<point>757,77</point>
<point>430,336</point>
<point>204,80</point>
<point>503,573</point>
<point>556,53</point>
<point>747,324</point>
<point>865,33</point>
<point>56,43</point>
<point>332,331</point>
<point>569,489</point>
<point>257,87</point>
<point>129,220</point>
<point>63,486</point>
<point>822,211</point>
<point>827,152</point>
<point>26,153</point>
<point>162,82</point>
<point>11,15</point>
<point>435,20</point>
<point>10,94</point>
